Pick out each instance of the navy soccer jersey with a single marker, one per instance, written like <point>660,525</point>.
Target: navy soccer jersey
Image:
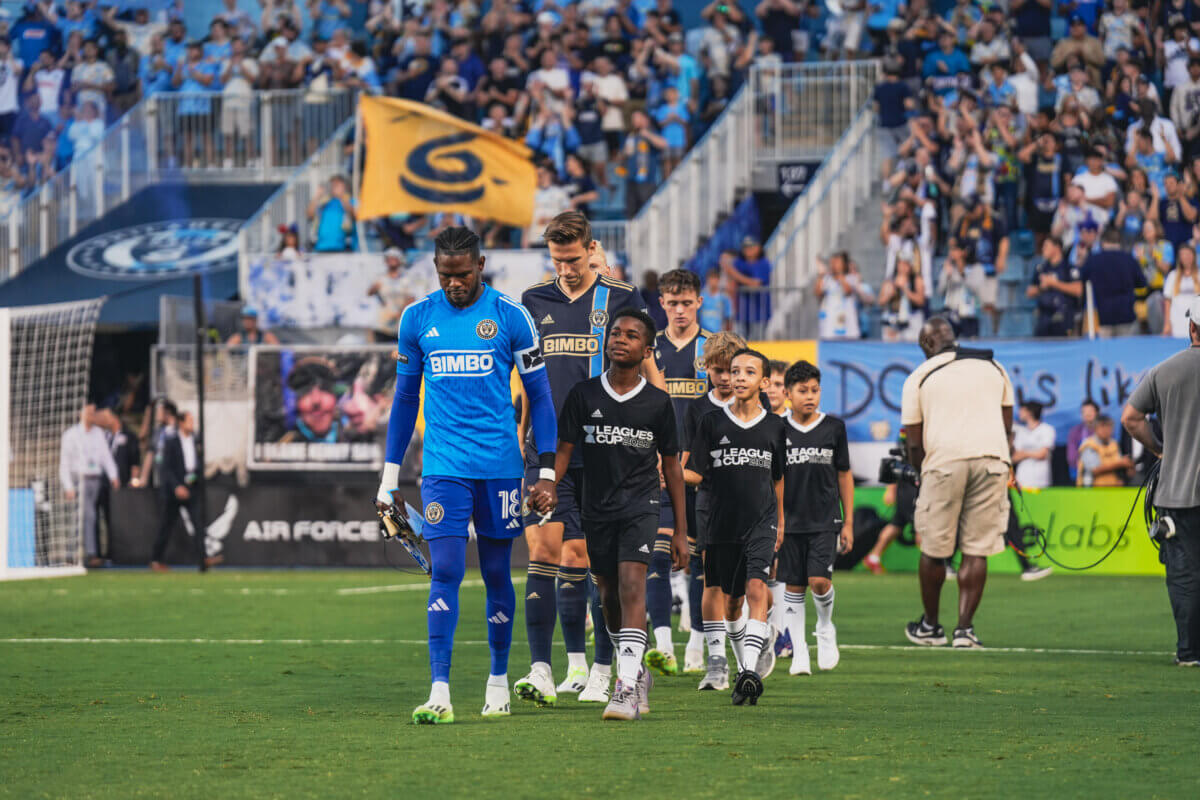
<point>683,368</point>
<point>573,332</point>
<point>816,453</point>
<point>466,356</point>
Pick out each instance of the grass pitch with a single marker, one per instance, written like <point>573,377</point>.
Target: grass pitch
<point>301,684</point>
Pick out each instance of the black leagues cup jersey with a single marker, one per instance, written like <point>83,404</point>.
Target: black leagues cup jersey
<point>740,462</point>
<point>620,438</point>
<point>816,453</point>
<point>683,369</point>
<point>697,410</point>
<point>573,331</point>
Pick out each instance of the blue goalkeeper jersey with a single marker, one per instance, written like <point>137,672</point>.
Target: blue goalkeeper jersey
<point>466,356</point>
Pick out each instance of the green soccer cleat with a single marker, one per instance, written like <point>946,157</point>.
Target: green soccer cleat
<point>433,714</point>
<point>663,663</point>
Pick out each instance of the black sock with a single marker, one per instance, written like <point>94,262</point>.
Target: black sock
<point>540,609</point>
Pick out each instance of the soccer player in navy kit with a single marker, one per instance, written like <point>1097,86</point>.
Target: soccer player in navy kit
<point>819,511</point>
<point>465,341</point>
<point>679,353</point>
<point>738,452</point>
<point>572,314</point>
<point>622,426</point>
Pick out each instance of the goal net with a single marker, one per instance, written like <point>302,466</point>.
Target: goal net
<point>45,360</point>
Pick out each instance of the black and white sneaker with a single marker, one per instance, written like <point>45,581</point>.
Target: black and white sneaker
<point>924,634</point>
<point>747,687</point>
<point>1186,662</point>
<point>1036,573</point>
<point>965,638</point>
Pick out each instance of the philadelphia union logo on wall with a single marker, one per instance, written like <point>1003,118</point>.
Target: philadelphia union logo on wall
<point>434,513</point>
<point>486,329</point>
<point>158,249</point>
<point>599,318</point>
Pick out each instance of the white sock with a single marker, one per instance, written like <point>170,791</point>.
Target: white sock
<point>662,639</point>
<point>439,693</point>
<point>499,681</point>
<point>793,616</point>
<point>778,589</point>
<point>824,604</point>
<point>630,653</point>
<point>577,661</point>
<point>695,640</point>
<point>603,670</point>
<point>756,639</point>
<point>714,637</point>
<point>736,629</point>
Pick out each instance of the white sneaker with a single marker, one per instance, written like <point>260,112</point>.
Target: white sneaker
<point>827,649</point>
<point>537,687</point>
<point>801,662</point>
<point>495,702</point>
<point>693,661</point>
<point>596,690</point>
<point>575,682</point>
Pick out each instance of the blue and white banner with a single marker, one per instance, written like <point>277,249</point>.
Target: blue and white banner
<point>862,381</point>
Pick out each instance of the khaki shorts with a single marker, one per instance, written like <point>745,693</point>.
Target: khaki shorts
<point>986,287</point>
<point>963,506</point>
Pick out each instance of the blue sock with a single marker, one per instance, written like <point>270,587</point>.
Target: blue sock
<point>696,592</point>
<point>658,584</point>
<point>540,609</point>
<point>573,607</point>
<point>495,563</point>
<point>603,654</point>
<point>448,558</point>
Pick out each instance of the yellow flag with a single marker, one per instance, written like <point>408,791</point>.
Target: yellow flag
<point>422,160</point>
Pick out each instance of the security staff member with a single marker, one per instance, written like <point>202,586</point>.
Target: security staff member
<point>1171,391</point>
<point>957,411</point>
<point>177,498</point>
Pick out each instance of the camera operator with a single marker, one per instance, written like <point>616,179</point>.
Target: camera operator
<point>957,410</point>
<point>1171,391</point>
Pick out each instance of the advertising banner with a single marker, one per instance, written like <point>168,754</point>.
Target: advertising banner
<point>317,408</point>
<point>862,381</point>
<point>334,290</point>
<point>1080,526</point>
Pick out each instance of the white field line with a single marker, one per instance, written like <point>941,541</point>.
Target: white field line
<point>422,643</point>
<point>411,587</point>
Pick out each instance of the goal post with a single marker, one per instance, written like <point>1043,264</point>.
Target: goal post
<point>45,364</point>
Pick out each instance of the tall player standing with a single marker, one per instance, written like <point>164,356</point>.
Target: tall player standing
<point>465,340</point>
<point>679,353</point>
<point>572,313</point>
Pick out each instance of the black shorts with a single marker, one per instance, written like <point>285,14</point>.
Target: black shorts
<point>906,504</point>
<point>1040,221</point>
<point>807,555</point>
<point>730,564</point>
<point>611,541</point>
<point>567,510</point>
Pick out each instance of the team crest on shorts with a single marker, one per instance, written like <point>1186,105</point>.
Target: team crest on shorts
<point>487,329</point>
<point>599,318</point>
<point>434,513</point>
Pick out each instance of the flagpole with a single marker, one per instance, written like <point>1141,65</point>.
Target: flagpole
<point>356,177</point>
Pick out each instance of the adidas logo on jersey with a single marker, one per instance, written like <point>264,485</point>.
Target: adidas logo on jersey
<point>547,320</point>
<point>438,605</point>
<point>643,549</point>
<point>499,618</point>
<point>724,440</point>
<point>432,332</point>
<point>597,415</point>
<point>512,525</point>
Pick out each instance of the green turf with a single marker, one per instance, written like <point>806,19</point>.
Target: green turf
<point>320,718</point>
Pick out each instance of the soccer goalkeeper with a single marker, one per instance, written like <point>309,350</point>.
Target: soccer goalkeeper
<point>465,340</point>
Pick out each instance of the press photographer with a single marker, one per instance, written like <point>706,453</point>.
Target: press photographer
<point>1171,392</point>
<point>957,412</point>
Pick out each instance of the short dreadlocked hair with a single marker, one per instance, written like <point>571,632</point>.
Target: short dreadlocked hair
<point>456,241</point>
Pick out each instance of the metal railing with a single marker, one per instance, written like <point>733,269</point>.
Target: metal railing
<point>804,109</point>
<point>819,216</point>
<point>613,234</point>
<point>148,145</point>
<point>780,113</point>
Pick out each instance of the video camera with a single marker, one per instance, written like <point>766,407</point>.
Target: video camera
<point>895,468</point>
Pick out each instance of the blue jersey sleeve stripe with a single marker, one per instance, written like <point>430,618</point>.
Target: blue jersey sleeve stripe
<point>701,374</point>
<point>524,312</point>
<point>599,303</point>
<point>414,343</point>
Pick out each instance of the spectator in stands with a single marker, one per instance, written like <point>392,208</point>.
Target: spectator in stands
<point>1185,108</point>
<point>1177,212</point>
<point>1115,277</point>
<point>84,463</point>
<point>140,31</point>
<point>85,132</point>
<point>155,73</point>
<point>239,73</point>
<point>581,189</point>
<point>653,299</point>
<point>552,135</point>
<point>643,149</point>
<point>1045,176</point>
<point>331,217</point>
<point>902,301</point>
<point>33,33</point>
<point>239,22</point>
<point>10,82</point>
<point>549,201</point>
<point>716,309</point>
<point>839,291</point>
<point>193,77</point>
<point>1179,289</point>
<point>750,277</point>
<point>93,80</point>
<point>892,98</point>
<point>1099,187</point>
<point>1101,462</point>
<point>46,79</point>
<point>1166,137</point>
<point>398,287</point>
<point>1080,45</point>
<point>124,62</point>
<point>1057,309</point>
<point>1033,445</point>
<point>1156,257</point>
<point>30,131</point>
<point>250,332</point>
<point>985,237</point>
<point>673,119</point>
<point>958,293</point>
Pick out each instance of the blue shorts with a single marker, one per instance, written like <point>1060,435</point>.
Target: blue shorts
<point>450,503</point>
<point>567,511</point>
<point>666,512</point>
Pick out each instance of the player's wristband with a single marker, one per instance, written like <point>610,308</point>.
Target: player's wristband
<point>546,474</point>
<point>389,481</point>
